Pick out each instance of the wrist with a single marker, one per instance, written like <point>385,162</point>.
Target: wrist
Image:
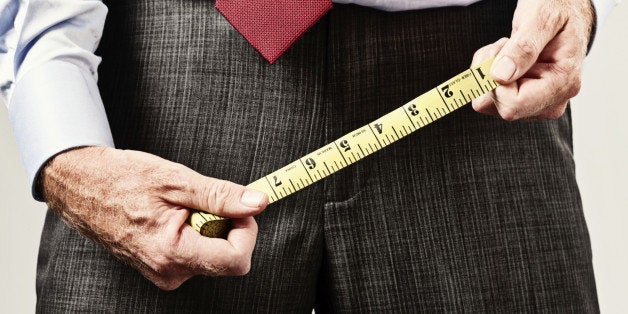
<point>61,169</point>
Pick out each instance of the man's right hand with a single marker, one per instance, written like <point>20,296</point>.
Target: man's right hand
<point>134,204</point>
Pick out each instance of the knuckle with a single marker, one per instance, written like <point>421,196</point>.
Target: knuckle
<point>566,67</point>
<point>149,170</point>
<point>526,47</point>
<point>240,263</point>
<point>211,195</point>
<point>551,115</point>
<point>558,88</point>
<point>169,285</point>
<point>176,172</point>
<point>242,267</point>
<point>509,114</point>
<point>162,266</point>
<point>216,194</point>
<point>574,51</point>
<point>551,18</point>
<point>555,114</point>
<point>245,268</point>
<point>171,179</point>
<point>137,216</point>
<point>575,87</point>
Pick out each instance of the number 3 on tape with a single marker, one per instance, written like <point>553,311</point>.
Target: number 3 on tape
<point>357,144</point>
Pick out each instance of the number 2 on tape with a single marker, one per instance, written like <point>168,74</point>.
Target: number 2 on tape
<point>359,143</point>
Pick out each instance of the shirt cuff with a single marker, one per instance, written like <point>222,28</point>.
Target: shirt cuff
<point>55,107</point>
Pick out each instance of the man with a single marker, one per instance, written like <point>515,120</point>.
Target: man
<point>472,213</point>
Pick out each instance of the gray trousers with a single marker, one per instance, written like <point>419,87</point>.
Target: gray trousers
<point>470,214</point>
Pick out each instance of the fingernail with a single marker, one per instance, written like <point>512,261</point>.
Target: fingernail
<point>252,198</point>
<point>504,69</point>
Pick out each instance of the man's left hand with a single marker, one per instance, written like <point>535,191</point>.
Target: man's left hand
<point>539,66</point>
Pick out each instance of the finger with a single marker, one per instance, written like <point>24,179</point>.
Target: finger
<point>531,33</point>
<point>480,55</point>
<point>242,237</point>
<point>562,81</point>
<point>167,283</point>
<point>566,45</point>
<point>497,47</point>
<point>218,257</point>
<point>484,104</point>
<point>551,113</point>
<point>488,51</point>
<point>219,197</point>
<point>226,199</point>
<point>529,96</point>
<point>507,102</point>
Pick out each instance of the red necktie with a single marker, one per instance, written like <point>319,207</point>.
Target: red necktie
<point>272,26</point>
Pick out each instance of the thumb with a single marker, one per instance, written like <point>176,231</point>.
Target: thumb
<point>219,197</point>
<point>522,50</point>
<point>227,199</point>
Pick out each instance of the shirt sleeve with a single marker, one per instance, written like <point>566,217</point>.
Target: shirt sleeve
<point>405,5</point>
<point>602,9</point>
<point>54,103</point>
<point>8,15</point>
<point>48,74</point>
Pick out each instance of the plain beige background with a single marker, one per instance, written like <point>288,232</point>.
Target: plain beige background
<point>600,119</point>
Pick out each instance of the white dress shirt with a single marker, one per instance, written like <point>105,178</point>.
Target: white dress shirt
<point>404,5</point>
<point>48,71</point>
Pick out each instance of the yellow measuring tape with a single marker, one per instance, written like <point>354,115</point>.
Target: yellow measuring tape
<point>355,145</point>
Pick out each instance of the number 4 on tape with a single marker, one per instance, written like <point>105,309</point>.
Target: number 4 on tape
<point>359,143</point>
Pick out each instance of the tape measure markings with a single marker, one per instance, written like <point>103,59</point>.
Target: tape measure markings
<point>368,139</point>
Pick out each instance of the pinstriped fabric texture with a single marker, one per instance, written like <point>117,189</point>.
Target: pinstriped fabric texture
<point>471,214</point>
